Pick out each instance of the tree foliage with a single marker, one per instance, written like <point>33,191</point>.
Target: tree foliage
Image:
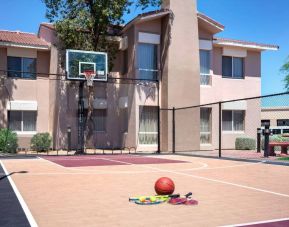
<point>8,141</point>
<point>83,24</point>
<point>285,70</point>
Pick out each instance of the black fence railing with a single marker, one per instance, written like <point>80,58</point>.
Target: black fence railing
<point>229,128</point>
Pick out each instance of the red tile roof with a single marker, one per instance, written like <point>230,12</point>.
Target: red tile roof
<point>21,38</point>
<point>241,42</point>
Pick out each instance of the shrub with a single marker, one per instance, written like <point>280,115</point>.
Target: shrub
<point>244,143</point>
<point>41,142</point>
<point>8,141</point>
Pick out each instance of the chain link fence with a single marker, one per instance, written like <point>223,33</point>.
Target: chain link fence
<point>229,129</point>
<point>117,116</point>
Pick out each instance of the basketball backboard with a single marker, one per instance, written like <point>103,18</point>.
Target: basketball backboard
<point>79,61</point>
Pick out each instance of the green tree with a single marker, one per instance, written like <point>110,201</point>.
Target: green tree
<point>285,70</point>
<point>84,25</point>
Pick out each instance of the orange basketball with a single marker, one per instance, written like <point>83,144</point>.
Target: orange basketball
<point>164,186</point>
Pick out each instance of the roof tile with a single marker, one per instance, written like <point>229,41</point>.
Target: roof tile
<point>22,38</point>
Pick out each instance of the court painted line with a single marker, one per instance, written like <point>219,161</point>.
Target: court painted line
<point>98,171</point>
<point>258,222</point>
<point>202,167</point>
<point>89,173</point>
<point>53,163</point>
<point>225,167</point>
<point>102,172</point>
<point>24,206</point>
<point>216,181</point>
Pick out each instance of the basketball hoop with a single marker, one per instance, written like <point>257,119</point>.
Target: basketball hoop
<point>89,75</point>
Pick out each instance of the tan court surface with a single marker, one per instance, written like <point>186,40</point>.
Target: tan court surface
<point>228,192</point>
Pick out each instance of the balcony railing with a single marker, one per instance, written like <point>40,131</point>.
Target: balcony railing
<point>148,74</point>
<point>148,138</point>
<point>205,137</point>
<point>206,79</point>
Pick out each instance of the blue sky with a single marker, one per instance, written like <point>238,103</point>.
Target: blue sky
<point>264,21</point>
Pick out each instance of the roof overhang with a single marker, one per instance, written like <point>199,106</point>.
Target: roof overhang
<point>209,24</point>
<point>19,45</point>
<point>146,17</point>
<point>246,45</point>
<point>275,108</point>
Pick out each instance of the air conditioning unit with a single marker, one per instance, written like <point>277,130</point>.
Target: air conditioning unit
<point>123,44</point>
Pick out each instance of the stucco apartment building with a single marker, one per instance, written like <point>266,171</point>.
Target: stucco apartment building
<point>277,117</point>
<point>175,45</point>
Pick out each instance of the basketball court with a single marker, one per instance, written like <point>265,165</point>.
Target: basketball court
<point>93,190</point>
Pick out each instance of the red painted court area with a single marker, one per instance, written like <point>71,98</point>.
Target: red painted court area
<point>106,160</point>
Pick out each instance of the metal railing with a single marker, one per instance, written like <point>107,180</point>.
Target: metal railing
<point>205,79</point>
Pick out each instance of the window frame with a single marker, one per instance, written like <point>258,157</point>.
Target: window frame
<point>210,126</point>
<point>265,121</point>
<point>93,120</point>
<point>233,122</point>
<point>22,132</point>
<point>232,69</point>
<point>148,132</point>
<point>147,70</point>
<point>283,120</point>
<point>22,72</point>
<point>206,74</point>
<point>105,121</point>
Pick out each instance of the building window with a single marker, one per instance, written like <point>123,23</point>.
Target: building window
<point>148,125</point>
<point>233,67</point>
<point>205,64</point>
<point>205,125</point>
<point>124,119</point>
<point>282,122</point>
<point>21,67</point>
<point>125,62</point>
<point>147,61</point>
<point>265,122</point>
<point>22,121</point>
<point>233,120</point>
<point>99,119</point>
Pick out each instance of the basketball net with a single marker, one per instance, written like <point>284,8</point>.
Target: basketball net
<point>89,75</point>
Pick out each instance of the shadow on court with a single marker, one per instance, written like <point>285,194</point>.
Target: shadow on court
<point>11,213</point>
<point>10,174</point>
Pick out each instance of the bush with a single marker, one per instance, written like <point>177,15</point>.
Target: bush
<point>245,143</point>
<point>8,141</point>
<point>41,142</point>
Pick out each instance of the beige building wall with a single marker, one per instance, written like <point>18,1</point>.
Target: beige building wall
<point>274,113</point>
<point>28,89</point>
<point>223,89</point>
<point>180,78</point>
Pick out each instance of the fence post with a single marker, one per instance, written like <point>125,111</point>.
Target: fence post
<point>266,140</point>
<point>259,131</point>
<point>159,131</point>
<point>68,138</point>
<point>220,129</point>
<point>174,131</point>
